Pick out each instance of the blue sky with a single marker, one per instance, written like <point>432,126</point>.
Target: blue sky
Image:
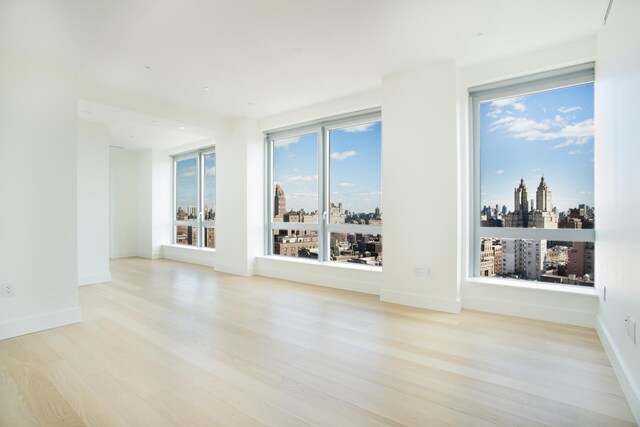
<point>548,133</point>
<point>355,168</point>
<point>187,182</point>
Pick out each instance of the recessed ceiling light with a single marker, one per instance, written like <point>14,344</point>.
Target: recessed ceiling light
<point>207,88</point>
<point>479,34</point>
<point>148,67</point>
<point>251,103</point>
<point>182,127</point>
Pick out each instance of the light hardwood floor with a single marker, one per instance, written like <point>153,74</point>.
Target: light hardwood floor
<point>174,344</point>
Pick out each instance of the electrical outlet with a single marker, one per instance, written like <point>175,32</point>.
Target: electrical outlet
<point>627,322</point>
<point>422,271</point>
<point>8,290</point>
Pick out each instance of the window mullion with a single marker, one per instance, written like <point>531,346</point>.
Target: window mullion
<point>323,184</point>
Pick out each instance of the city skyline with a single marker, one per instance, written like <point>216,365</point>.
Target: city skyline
<point>546,134</point>
<point>187,182</point>
<point>355,160</point>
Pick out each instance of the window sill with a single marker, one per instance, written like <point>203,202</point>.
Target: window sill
<point>189,248</point>
<point>338,265</point>
<point>538,286</point>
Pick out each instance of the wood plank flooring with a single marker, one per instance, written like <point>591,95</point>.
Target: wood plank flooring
<point>170,344</point>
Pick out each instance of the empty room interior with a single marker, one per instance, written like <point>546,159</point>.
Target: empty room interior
<point>303,212</point>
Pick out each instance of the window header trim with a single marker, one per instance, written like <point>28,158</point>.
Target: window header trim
<point>371,114</point>
<point>554,79</point>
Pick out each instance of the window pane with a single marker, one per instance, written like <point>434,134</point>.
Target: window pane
<point>209,237</point>
<point>187,189</point>
<point>187,235</point>
<point>209,201</point>
<point>356,248</point>
<point>295,175</point>
<point>355,164</point>
<point>536,160</point>
<point>296,243</point>
<point>543,260</point>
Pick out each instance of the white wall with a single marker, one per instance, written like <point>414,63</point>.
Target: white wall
<point>618,190</point>
<point>420,187</point>
<point>38,228</point>
<point>239,198</point>
<point>123,206</point>
<point>544,304</point>
<point>155,187</point>
<point>93,203</point>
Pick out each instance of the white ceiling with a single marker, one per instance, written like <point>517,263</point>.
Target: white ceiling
<point>262,57</point>
<point>136,131</point>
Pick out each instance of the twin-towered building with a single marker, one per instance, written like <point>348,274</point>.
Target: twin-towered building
<point>525,216</point>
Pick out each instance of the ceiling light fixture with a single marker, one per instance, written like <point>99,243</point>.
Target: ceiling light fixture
<point>182,127</point>
<point>148,67</point>
<point>207,88</point>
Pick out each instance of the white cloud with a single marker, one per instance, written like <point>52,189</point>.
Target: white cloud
<point>188,172</point>
<point>339,156</point>
<point>572,153</point>
<point>532,130</point>
<point>494,113</point>
<point>515,103</point>
<point>499,172</point>
<point>211,171</point>
<point>359,128</point>
<point>567,143</point>
<point>303,178</point>
<point>346,184</point>
<point>565,110</point>
<point>285,143</point>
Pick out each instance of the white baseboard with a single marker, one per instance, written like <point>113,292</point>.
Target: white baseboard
<point>124,254</point>
<point>31,324</point>
<point>420,301</point>
<point>531,311</point>
<point>93,279</point>
<point>234,269</point>
<point>189,255</point>
<point>355,278</point>
<point>629,385</point>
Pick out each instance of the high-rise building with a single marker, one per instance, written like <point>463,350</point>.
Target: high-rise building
<point>524,258</point>
<point>581,257</point>
<point>543,197</point>
<point>520,216</point>
<point>280,202</point>
<point>520,197</point>
<point>210,237</point>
